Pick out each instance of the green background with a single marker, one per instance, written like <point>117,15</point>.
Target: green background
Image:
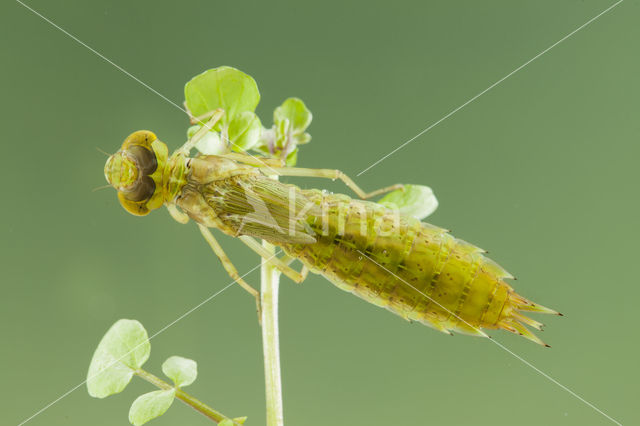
<point>541,171</point>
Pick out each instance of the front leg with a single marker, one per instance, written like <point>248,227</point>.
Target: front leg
<point>228,266</point>
<point>176,214</point>
<point>214,116</point>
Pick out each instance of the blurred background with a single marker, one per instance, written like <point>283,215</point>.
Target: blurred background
<point>541,171</point>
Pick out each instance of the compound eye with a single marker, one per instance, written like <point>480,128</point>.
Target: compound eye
<point>144,158</point>
<point>142,190</point>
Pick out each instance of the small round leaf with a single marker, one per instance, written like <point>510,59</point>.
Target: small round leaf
<point>223,87</point>
<point>294,110</point>
<point>123,349</point>
<point>414,200</point>
<point>292,158</point>
<point>183,371</point>
<point>150,405</point>
<point>244,131</point>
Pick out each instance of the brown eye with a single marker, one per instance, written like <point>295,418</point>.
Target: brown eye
<point>144,158</point>
<point>141,190</point>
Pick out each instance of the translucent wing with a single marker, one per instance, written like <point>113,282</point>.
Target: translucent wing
<point>263,208</point>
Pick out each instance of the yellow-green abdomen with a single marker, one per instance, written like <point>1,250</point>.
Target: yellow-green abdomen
<point>413,269</point>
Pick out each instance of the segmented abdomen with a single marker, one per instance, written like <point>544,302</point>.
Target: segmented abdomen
<point>412,268</point>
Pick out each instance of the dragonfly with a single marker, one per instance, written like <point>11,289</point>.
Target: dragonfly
<point>412,268</point>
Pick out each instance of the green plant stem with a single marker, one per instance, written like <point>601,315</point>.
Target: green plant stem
<point>270,281</point>
<point>195,403</point>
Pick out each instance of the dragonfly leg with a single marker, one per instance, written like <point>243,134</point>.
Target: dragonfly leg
<point>304,272</point>
<point>332,174</point>
<point>254,160</point>
<point>176,214</point>
<point>281,266</point>
<point>199,119</point>
<point>228,266</point>
<point>214,116</point>
<point>286,259</point>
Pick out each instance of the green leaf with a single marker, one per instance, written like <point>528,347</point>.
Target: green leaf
<point>292,158</point>
<point>123,349</point>
<point>244,131</point>
<point>209,144</point>
<point>150,405</point>
<point>240,420</point>
<point>296,112</point>
<point>183,371</point>
<point>414,200</point>
<point>223,87</point>
<point>303,138</point>
<point>226,422</point>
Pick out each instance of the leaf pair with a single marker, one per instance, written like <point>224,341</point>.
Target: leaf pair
<point>182,371</point>
<point>120,354</point>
